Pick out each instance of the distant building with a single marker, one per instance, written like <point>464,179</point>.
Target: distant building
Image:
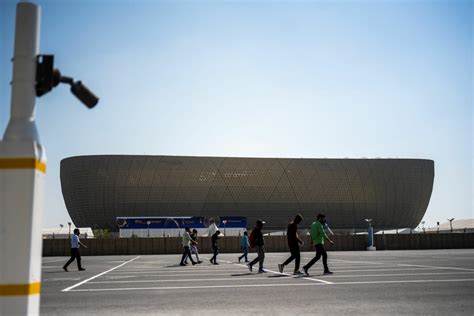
<point>394,193</point>
<point>459,226</point>
<point>63,233</point>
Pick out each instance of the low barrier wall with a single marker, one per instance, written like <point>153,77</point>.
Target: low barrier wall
<point>172,245</point>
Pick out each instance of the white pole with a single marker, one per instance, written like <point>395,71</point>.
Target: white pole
<point>22,172</point>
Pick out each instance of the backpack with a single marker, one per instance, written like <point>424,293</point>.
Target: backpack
<point>252,239</point>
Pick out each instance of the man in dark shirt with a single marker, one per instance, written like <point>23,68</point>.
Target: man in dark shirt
<point>258,243</point>
<point>214,239</point>
<point>294,242</point>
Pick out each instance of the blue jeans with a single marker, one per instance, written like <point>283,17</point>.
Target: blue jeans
<point>245,251</point>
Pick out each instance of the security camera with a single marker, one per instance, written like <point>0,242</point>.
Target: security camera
<point>47,78</point>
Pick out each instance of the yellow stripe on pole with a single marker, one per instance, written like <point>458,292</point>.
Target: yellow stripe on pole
<point>20,289</point>
<point>22,163</point>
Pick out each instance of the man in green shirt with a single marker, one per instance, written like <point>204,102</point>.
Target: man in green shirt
<point>318,236</point>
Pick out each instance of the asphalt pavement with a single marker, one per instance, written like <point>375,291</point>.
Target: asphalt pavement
<point>419,282</point>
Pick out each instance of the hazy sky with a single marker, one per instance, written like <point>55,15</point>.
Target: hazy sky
<point>262,79</point>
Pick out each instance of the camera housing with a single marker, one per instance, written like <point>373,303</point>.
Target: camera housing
<point>47,78</point>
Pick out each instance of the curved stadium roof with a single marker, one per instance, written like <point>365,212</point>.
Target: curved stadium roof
<point>393,192</point>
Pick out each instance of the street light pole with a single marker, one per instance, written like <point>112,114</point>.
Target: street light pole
<point>224,222</point>
<point>23,166</point>
<point>22,173</point>
<point>451,223</point>
<point>148,223</point>
<point>370,235</point>
<point>69,223</point>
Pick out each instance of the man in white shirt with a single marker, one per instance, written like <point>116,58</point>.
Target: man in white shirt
<point>75,244</point>
<point>186,242</point>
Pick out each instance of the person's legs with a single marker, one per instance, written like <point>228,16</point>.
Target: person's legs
<point>214,256</point>
<point>325,259</point>
<point>243,254</point>
<point>296,253</point>
<point>196,252</point>
<point>291,258</point>
<point>73,256</point>
<point>185,254</point>
<point>261,257</point>
<point>188,251</point>
<point>314,260</point>
<point>78,260</point>
<point>246,252</point>
<point>254,261</point>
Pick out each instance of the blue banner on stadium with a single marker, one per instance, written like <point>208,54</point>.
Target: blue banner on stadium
<point>160,222</point>
<point>233,222</point>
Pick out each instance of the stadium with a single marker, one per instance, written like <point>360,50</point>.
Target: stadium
<point>394,193</point>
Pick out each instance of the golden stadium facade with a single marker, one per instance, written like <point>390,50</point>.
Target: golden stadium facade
<point>394,193</point>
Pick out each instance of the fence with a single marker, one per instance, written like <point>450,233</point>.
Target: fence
<point>172,245</point>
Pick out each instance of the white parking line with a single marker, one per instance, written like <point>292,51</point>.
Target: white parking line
<point>350,261</point>
<point>98,275</point>
<point>173,280</point>
<point>61,279</point>
<point>182,271</point>
<point>395,274</point>
<point>403,281</point>
<point>51,267</point>
<point>177,275</point>
<point>433,267</point>
<point>197,287</point>
<point>387,269</point>
<point>266,285</point>
<point>287,274</point>
<point>56,260</point>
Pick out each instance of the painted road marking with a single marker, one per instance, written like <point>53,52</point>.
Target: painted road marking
<point>49,261</point>
<point>98,275</point>
<point>350,261</point>
<point>110,276</point>
<point>394,274</point>
<point>433,267</point>
<point>62,279</point>
<point>266,285</point>
<point>174,280</point>
<point>278,273</point>
<point>51,267</point>
<point>178,275</point>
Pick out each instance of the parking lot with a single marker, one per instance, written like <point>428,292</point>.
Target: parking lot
<point>382,282</point>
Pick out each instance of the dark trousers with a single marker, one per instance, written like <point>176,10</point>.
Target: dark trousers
<point>186,254</point>
<point>295,255</point>
<point>260,258</point>
<point>216,252</point>
<point>320,251</point>
<point>74,255</point>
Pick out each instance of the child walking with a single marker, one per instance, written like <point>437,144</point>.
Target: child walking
<point>194,243</point>
<point>244,245</point>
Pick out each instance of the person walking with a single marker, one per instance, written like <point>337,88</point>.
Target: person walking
<point>256,240</point>
<point>194,243</point>
<point>317,237</point>
<point>294,242</point>
<point>214,239</point>
<point>186,243</point>
<point>244,245</point>
<point>75,254</point>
